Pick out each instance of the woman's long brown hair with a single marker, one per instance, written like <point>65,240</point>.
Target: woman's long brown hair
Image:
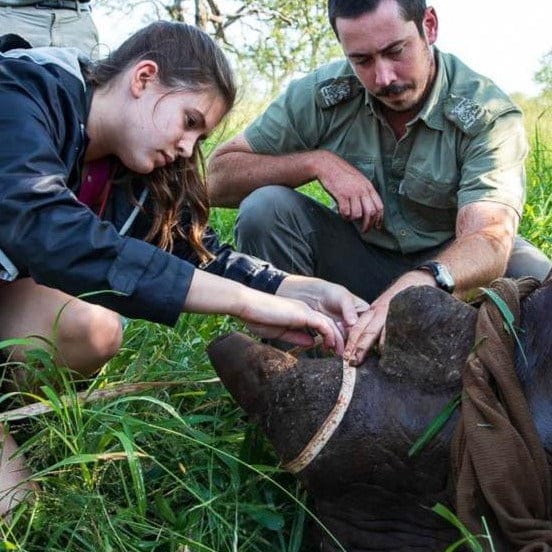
<point>188,59</point>
<point>175,188</point>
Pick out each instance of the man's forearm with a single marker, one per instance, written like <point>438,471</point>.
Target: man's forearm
<point>476,259</point>
<point>473,260</point>
<point>485,233</point>
<point>479,253</point>
<point>233,175</point>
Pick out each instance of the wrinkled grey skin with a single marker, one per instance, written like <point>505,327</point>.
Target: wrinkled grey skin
<point>366,490</point>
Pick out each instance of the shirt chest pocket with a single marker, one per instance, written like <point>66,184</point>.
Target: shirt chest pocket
<point>428,205</point>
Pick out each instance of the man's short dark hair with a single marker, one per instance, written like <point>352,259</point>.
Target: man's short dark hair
<point>411,10</point>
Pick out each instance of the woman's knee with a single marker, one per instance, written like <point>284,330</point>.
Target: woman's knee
<point>88,336</point>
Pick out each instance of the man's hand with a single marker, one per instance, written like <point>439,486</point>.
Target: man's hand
<point>370,328</point>
<point>356,196</point>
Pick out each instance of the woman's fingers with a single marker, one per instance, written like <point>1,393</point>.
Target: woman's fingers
<point>331,336</point>
<point>300,332</point>
<point>322,325</point>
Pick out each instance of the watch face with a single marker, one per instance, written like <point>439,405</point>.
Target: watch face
<point>442,276</point>
<point>446,282</point>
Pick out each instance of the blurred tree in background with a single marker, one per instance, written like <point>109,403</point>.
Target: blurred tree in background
<point>270,41</point>
<point>544,74</point>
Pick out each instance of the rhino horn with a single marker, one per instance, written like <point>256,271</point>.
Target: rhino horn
<point>246,367</point>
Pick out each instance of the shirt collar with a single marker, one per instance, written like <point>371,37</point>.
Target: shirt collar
<point>432,110</point>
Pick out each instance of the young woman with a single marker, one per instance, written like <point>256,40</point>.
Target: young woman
<point>100,191</point>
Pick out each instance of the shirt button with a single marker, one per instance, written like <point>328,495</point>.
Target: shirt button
<point>403,232</point>
<point>394,189</point>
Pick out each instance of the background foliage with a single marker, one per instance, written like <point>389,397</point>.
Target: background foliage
<point>270,41</point>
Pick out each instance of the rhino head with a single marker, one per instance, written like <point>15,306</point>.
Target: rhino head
<point>367,490</point>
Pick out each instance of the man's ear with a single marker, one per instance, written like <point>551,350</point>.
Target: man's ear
<point>431,25</point>
<point>144,73</point>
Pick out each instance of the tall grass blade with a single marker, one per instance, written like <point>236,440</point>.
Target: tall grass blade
<point>135,470</point>
<point>435,426</point>
<point>467,536</point>
<point>507,316</point>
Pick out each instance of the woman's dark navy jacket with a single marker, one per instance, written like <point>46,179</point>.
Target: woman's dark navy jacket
<point>47,234</point>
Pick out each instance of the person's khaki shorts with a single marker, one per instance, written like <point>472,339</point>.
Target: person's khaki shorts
<point>52,27</point>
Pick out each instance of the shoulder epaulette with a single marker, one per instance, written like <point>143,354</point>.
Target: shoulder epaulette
<point>334,91</point>
<point>466,114</point>
<point>470,116</point>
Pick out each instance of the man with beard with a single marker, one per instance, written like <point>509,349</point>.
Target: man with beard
<point>423,157</point>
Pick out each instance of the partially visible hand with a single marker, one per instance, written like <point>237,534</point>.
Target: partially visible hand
<point>355,195</point>
<point>290,320</point>
<point>331,299</point>
<point>369,330</point>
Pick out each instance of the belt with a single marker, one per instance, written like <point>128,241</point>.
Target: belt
<point>63,5</point>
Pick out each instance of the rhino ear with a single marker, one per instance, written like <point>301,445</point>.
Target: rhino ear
<point>246,367</point>
<point>429,335</point>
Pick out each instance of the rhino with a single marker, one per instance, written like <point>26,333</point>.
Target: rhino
<point>367,491</point>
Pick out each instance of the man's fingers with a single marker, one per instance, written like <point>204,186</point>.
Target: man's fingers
<point>377,219</point>
<point>357,207</point>
<point>355,334</point>
<point>363,336</point>
<point>344,206</point>
<point>381,342</point>
<point>369,213</point>
<point>365,342</point>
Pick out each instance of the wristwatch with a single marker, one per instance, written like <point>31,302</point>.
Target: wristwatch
<point>441,274</point>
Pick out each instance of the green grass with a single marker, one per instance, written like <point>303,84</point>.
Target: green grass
<point>177,469</point>
<point>160,471</point>
<point>536,224</point>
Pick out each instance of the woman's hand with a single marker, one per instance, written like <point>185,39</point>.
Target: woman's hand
<point>331,299</point>
<point>272,316</point>
<point>290,320</point>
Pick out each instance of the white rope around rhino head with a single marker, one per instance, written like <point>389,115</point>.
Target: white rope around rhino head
<point>331,423</point>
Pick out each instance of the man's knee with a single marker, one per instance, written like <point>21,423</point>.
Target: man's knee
<point>266,217</point>
<point>527,260</point>
<point>262,207</point>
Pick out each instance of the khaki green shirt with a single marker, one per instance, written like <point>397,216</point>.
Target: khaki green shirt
<point>467,144</point>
